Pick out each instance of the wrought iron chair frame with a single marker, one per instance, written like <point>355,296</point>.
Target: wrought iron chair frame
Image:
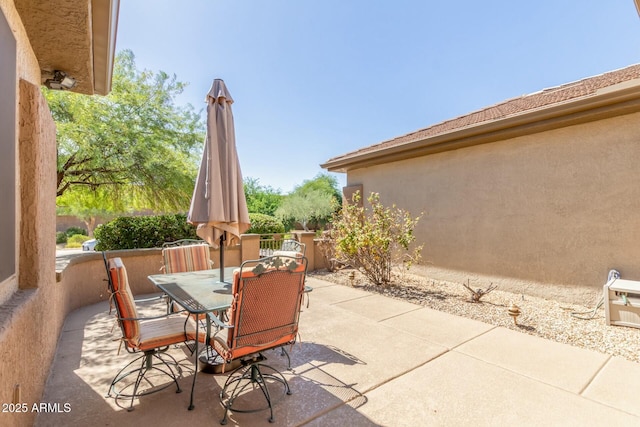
<point>146,358</point>
<point>293,246</point>
<point>290,272</point>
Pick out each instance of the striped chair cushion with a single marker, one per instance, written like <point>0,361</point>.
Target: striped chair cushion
<point>124,300</point>
<point>186,258</point>
<point>155,333</point>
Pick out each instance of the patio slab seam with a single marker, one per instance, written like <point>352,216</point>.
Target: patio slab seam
<point>364,393</point>
<point>540,380</point>
<point>418,307</point>
<point>593,377</point>
<point>493,327</point>
<point>350,299</point>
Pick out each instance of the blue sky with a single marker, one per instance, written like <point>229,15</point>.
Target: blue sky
<point>313,80</point>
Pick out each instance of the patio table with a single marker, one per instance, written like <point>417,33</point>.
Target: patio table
<point>199,292</point>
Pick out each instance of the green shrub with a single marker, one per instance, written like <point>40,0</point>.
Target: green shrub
<point>375,240</point>
<point>264,224</point>
<point>76,230</point>
<point>61,237</point>
<point>143,232</point>
<point>76,240</point>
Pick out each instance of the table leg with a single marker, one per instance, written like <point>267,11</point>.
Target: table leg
<point>195,372</point>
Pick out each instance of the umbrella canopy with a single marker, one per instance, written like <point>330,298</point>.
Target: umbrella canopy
<point>218,206</point>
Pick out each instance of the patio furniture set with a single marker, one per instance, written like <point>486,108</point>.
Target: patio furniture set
<point>257,309</point>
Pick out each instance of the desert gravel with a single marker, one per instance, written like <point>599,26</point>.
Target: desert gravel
<point>562,322</point>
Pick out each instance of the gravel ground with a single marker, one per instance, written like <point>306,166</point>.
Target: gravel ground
<point>566,323</point>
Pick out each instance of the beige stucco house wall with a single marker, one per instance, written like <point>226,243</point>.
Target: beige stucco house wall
<point>76,36</point>
<point>545,204</point>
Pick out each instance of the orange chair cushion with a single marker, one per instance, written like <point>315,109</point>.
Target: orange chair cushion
<point>124,300</point>
<point>152,333</point>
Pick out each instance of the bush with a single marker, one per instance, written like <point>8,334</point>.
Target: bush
<point>143,232</point>
<point>76,230</point>
<point>76,240</point>
<point>61,237</point>
<point>264,224</point>
<point>375,241</point>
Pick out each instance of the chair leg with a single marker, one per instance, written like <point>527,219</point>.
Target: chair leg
<point>145,365</point>
<point>284,352</point>
<point>251,375</point>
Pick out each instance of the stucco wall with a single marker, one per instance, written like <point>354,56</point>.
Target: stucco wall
<point>30,315</point>
<point>548,214</point>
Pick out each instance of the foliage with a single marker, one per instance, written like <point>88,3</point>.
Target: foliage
<point>264,224</point>
<point>261,199</point>
<point>61,237</point>
<point>133,142</point>
<point>76,240</point>
<point>143,231</point>
<point>304,207</point>
<point>327,248</point>
<point>374,240</point>
<point>88,204</point>
<point>324,183</point>
<point>311,203</point>
<point>75,230</point>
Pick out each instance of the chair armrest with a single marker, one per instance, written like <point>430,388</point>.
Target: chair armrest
<point>219,323</point>
<point>162,316</point>
<point>149,299</point>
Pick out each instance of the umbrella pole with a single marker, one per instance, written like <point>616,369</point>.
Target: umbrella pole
<point>223,238</point>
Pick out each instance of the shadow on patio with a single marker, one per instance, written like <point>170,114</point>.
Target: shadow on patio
<point>362,360</point>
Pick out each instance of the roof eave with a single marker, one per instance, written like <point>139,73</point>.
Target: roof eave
<point>105,28</point>
<point>77,37</point>
<point>607,103</point>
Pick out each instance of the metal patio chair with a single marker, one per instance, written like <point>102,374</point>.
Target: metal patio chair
<point>267,300</point>
<point>150,337</point>
<point>291,248</point>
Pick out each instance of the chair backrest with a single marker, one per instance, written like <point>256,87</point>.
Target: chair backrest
<point>268,294</point>
<point>290,245</point>
<point>123,299</point>
<point>291,248</point>
<point>193,257</point>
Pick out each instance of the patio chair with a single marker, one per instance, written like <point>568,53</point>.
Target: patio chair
<point>148,336</point>
<point>264,316</point>
<point>186,255</point>
<point>183,256</point>
<point>292,248</point>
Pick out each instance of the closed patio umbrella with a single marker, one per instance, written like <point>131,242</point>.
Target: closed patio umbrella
<point>218,206</point>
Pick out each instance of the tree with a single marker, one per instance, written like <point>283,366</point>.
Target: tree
<point>306,206</point>
<point>324,183</point>
<point>261,199</point>
<point>134,143</point>
<point>315,200</point>
<point>88,204</point>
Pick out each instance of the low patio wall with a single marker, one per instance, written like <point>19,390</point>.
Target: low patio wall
<point>82,277</point>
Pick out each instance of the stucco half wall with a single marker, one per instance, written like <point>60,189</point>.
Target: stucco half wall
<point>547,214</point>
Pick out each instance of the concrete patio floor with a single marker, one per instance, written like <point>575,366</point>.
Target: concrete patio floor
<point>364,360</point>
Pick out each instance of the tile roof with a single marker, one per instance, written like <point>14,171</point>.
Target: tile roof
<point>545,98</point>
